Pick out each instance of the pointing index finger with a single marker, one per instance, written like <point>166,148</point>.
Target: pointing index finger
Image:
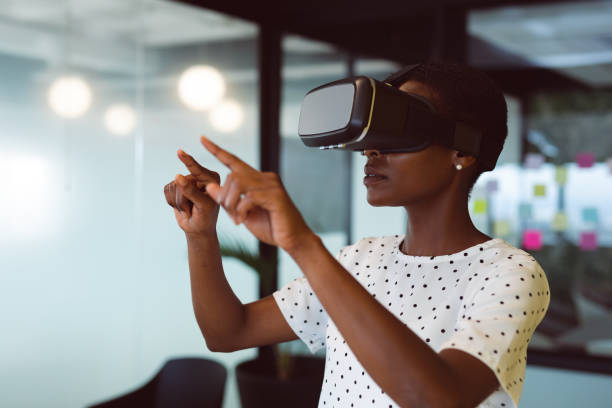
<point>225,157</point>
<point>194,167</point>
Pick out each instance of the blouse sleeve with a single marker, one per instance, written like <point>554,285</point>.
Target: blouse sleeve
<point>499,315</point>
<point>304,313</point>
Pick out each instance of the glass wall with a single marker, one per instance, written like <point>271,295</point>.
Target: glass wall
<point>95,99</point>
<point>316,180</point>
<point>369,221</point>
<point>555,201</point>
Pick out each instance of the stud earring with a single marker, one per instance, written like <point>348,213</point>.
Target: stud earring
<point>459,166</point>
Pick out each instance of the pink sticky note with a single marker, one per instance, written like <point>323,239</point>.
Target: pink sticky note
<point>585,159</point>
<point>588,241</point>
<point>532,239</point>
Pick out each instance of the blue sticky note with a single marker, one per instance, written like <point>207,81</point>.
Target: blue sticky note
<point>525,210</point>
<point>589,214</point>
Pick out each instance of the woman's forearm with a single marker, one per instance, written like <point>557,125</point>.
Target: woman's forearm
<point>218,311</point>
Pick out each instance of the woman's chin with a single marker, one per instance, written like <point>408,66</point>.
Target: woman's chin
<point>374,200</point>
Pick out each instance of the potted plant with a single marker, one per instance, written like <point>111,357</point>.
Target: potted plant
<point>288,380</point>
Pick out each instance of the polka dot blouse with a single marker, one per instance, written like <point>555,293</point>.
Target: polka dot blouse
<point>486,300</point>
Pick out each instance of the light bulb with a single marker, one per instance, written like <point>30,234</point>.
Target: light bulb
<point>200,87</point>
<point>69,96</point>
<point>227,116</point>
<point>120,119</point>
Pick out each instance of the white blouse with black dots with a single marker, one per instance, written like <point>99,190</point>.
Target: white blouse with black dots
<point>486,300</point>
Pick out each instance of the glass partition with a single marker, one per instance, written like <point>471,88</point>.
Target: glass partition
<point>554,200</point>
<point>316,180</point>
<point>95,99</point>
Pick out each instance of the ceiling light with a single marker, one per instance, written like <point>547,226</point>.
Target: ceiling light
<point>69,96</point>
<point>120,119</point>
<point>201,87</point>
<point>227,116</point>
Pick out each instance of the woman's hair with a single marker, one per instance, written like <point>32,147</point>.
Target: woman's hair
<point>465,94</point>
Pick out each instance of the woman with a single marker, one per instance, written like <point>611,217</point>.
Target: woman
<point>438,317</point>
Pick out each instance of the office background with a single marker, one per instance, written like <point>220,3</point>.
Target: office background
<point>94,103</point>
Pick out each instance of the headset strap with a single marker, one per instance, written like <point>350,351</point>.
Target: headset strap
<point>397,78</point>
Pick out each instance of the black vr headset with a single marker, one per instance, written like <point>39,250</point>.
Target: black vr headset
<point>361,113</point>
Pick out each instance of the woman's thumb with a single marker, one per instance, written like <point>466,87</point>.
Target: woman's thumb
<point>190,190</point>
<point>213,190</point>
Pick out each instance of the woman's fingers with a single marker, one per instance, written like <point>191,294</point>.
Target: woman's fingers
<point>182,203</point>
<point>196,168</point>
<point>233,196</point>
<point>190,190</point>
<point>242,209</point>
<point>225,157</point>
<point>225,189</point>
<point>170,194</point>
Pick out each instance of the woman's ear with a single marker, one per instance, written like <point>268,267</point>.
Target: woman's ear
<point>464,159</point>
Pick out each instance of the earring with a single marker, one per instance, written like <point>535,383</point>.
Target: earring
<point>459,166</point>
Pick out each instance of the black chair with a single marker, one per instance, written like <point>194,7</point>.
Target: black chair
<point>181,382</point>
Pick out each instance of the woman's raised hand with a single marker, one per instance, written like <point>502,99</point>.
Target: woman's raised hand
<point>257,199</point>
<point>197,213</point>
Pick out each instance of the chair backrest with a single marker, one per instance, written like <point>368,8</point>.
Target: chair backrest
<point>191,383</point>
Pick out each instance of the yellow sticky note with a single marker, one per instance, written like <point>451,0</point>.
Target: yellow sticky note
<point>559,222</point>
<point>560,175</point>
<point>501,228</point>
<point>539,190</point>
<point>480,206</point>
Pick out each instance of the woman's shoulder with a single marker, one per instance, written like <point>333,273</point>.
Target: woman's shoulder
<point>503,261</point>
<point>508,254</point>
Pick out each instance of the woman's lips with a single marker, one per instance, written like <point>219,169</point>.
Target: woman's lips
<point>371,180</point>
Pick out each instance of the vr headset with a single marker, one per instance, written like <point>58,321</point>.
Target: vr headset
<point>359,113</point>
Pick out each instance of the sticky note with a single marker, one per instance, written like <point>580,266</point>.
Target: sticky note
<point>589,214</point>
<point>501,227</point>
<point>534,160</point>
<point>588,241</point>
<point>585,159</point>
<point>539,190</point>
<point>525,210</point>
<point>532,239</point>
<point>559,222</point>
<point>560,175</point>
<point>491,186</point>
<point>480,206</point>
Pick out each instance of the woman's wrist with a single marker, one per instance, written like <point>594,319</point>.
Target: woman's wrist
<point>201,235</point>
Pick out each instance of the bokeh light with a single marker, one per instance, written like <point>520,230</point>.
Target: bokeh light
<point>69,97</point>
<point>26,211</point>
<point>200,87</point>
<point>120,119</point>
<point>227,116</point>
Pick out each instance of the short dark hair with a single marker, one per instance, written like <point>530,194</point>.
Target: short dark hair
<point>468,95</point>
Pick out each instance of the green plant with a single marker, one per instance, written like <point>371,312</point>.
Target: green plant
<point>265,269</point>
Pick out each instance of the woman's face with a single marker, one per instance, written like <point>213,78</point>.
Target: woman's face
<point>411,177</point>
